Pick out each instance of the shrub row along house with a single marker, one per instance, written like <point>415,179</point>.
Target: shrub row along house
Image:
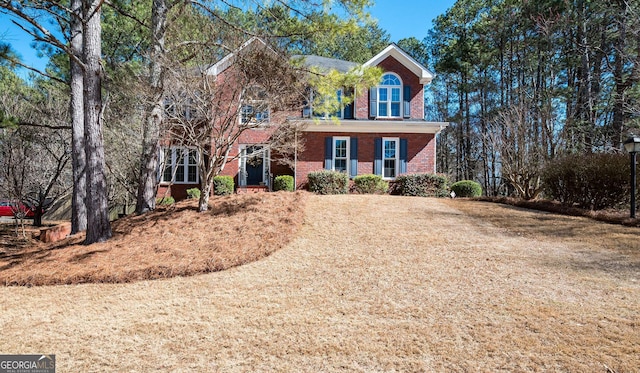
<point>380,131</point>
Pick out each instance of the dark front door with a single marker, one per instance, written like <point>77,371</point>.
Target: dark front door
<point>255,165</point>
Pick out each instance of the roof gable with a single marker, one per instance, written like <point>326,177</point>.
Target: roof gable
<point>405,59</point>
<point>229,59</point>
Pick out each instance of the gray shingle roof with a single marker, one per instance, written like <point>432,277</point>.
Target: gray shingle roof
<point>326,64</point>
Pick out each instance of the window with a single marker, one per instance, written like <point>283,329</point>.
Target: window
<point>341,154</point>
<point>390,157</point>
<point>180,165</point>
<point>254,112</point>
<point>389,96</point>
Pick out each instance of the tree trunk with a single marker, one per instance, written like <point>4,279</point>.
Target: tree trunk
<point>98,226</point>
<point>78,208</point>
<point>148,181</point>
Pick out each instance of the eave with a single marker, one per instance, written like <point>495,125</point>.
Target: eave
<point>373,126</point>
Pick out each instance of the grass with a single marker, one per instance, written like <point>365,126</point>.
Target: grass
<point>369,283</point>
<point>171,241</point>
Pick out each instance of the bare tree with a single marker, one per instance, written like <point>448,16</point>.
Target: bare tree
<point>521,157</point>
<point>209,111</point>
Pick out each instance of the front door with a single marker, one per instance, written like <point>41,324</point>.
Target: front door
<point>254,165</point>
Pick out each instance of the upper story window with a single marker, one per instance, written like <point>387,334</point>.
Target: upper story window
<point>389,96</point>
<point>314,105</point>
<point>255,106</point>
<point>254,112</point>
<point>180,165</point>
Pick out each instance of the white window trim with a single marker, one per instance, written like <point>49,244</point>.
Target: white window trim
<point>185,163</point>
<point>254,120</point>
<point>389,95</point>
<point>348,155</point>
<point>397,157</point>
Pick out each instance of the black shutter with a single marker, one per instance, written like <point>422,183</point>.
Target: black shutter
<point>373,102</point>
<point>377,159</point>
<point>407,101</point>
<point>403,155</point>
<point>353,157</point>
<point>328,153</point>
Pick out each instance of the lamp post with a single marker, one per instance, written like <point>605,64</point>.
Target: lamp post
<point>632,145</point>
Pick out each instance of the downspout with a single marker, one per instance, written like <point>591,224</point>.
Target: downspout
<point>295,158</point>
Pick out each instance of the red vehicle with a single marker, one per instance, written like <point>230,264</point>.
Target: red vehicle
<point>10,208</point>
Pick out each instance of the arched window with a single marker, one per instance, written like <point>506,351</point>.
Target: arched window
<point>389,96</point>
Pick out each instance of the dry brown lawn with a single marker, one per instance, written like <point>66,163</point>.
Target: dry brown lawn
<point>370,283</point>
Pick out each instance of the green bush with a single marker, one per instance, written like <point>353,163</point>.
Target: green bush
<point>466,188</point>
<point>589,181</point>
<point>283,182</point>
<point>165,201</point>
<point>421,185</point>
<point>193,193</point>
<point>370,184</point>
<point>328,182</point>
<point>223,185</point>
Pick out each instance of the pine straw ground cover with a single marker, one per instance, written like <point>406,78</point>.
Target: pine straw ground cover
<point>370,284</point>
<point>171,241</point>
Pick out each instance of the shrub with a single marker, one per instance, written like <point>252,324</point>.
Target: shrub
<point>328,182</point>
<point>283,182</point>
<point>421,185</point>
<point>165,201</point>
<point>589,181</point>
<point>370,184</point>
<point>466,188</point>
<point>223,185</point>
<point>193,193</point>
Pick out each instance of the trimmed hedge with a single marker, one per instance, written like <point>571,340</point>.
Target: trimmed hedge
<point>223,185</point>
<point>283,182</point>
<point>589,181</point>
<point>370,184</point>
<point>165,201</point>
<point>421,185</point>
<point>466,188</point>
<point>193,193</point>
<point>328,182</point>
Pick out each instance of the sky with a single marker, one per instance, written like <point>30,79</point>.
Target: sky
<point>400,18</point>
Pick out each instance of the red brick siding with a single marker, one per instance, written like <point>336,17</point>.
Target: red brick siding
<point>177,191</point>
<point>390,64</point>
<point>420,154</point>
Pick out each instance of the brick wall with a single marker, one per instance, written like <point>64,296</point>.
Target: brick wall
<point>390,64</point>
<point>420,153</point>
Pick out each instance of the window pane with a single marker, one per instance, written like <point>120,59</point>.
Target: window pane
<point>192,174</point>
<point>341,148</point>
<point>180,173</point>
<point>341,165</point>
<point>168,163</point>
<point>395,109</point>
<point>395,94</point>
<point>193,156</point>
<point>389,168</point>
<point>382,96</point>
<point>382,109</point>
<point>389,149</point>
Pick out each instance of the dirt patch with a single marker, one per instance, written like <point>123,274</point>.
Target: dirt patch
<point>173,241</point>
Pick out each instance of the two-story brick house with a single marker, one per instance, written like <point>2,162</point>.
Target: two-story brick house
<point>382,132</point>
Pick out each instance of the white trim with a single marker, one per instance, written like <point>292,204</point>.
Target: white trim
<point>242,159</point>
<point>228,60</point>
<point>374,126</point>
<point>348,154</point>
<point>396,158</point>
<point>185,163</point>
<point>425,75</point>
<point>389,100</point>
